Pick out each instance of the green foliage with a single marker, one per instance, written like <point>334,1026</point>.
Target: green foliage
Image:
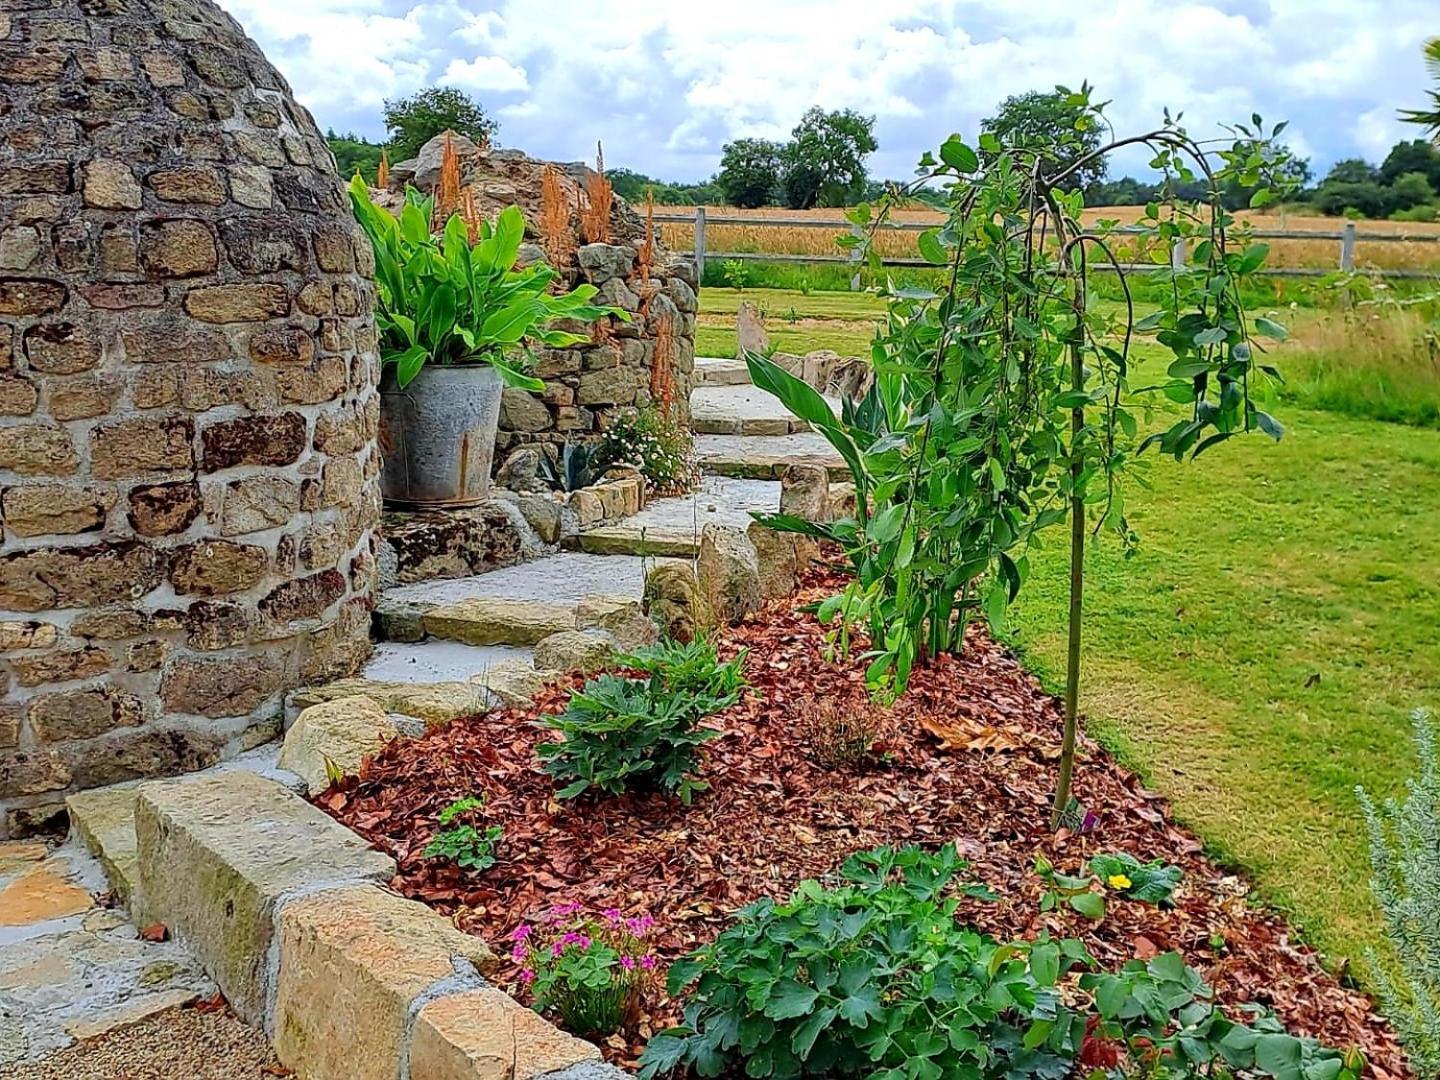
<point>464,844</point>
<point>750,171</point>
<point>415,120</point>
<point>736,273</point>
<point>1060,125</point>
<point>619,733</point>
<point>446,301</point>
<point>1417,155</point>
<point>874,978</point>
<point>824,162</point>
<point>1405,878</point>
<point>1429,118</point>
<point>1002,403</point>
<point>589,972</point>
<point>1071,890</point>
<point>657,444</point>
<point>354,154</point>
<point>580,466</point>
<point>1151,883</point>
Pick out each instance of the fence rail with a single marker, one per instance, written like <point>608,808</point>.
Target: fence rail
<point>1347,236</point>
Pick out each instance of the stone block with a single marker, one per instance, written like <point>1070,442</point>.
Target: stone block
<point>484,1035</point>
<point>222,686</point>
<point>353,963</point>
<point>728,569</point>
<point>238,303</point>
<point>777,558</point>
<point>341,732</point>
<point>622,617</point>
<point>434,703</point>
<point>104,820</point>
<point>483,620</point>
<point>133,447</point>
<point>44,509</point>
<point>216,854</point>
<point>575,650</point>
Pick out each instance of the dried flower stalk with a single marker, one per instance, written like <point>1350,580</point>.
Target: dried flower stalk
<point>595,218</point>
<point>447,188</point>
<point>662,364</point>
<point>382,174</point>
<point>554,222</point>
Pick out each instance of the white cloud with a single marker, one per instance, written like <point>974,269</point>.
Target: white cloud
<point>665,86</point>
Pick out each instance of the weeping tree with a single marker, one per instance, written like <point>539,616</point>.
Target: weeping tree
<point>1005,399</point>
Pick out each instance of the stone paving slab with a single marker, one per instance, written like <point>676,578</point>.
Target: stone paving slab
<point>743,410</point>
<point>436,661</point>
<point>766,457</point>
<point>103,819</point>
<point>672,527</point>
<point>70,969</point>
<point>722,371</point>
<point>565,578</point>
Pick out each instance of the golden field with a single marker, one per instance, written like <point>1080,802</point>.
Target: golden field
<point>1381,245</point>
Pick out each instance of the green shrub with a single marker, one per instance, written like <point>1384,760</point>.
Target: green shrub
<point>1151,883</point>
<point>1405,877</point>
<point>465,845</point>
<point>619,733</point>
<point>657,444</point>
<point>874,978</point>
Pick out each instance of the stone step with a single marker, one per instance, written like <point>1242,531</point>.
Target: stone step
<point>766,457</point>
<point>103,819</point>
<point>743,410</point>
<point>722,371</point>
<point>672,527</point>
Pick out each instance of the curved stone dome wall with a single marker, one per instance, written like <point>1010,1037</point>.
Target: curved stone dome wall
<point>187,398</point>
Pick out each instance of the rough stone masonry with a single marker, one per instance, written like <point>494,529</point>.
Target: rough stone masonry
<point>187,398</point>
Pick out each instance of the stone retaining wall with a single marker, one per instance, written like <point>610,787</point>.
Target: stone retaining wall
<point>187,398</point>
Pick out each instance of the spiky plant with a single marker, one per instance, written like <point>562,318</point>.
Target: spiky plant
<point>1429,118</point>
<point>1405,877</point>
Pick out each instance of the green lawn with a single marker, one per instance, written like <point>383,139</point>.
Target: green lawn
<point>1261,653</point>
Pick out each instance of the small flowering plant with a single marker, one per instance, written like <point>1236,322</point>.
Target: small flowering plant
<point>657,444</point>
<point>590,972</point>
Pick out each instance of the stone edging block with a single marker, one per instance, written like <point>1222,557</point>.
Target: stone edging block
<point>284,908</point>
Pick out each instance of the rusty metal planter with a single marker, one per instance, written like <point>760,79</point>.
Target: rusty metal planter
<point>437,436</point>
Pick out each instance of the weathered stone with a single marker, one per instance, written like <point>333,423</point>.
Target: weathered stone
<point>521,470</point>
<point>33,772</point>
<point>83,397</point>
<point>112,625</point>
<point>254,440</point>
<point>750,335</point>
<point>83,714</point>
<point>10,716</point>
<point>452,543</point>
<point>479,620</point>
<point>216,567</point>
<point>340,733</point>
<point>177,248</point>
<point>623,617</point>
<point>110,185</point>
<point>323,380</point>
<point>282,346</point>
<point>42,509</point>
<point>542,513</point>
<point>36,178</point>
<point>805,492</point>
<point>777,559</point>
<point>485,1035</point>
<point>40,895</point>
<point>163,509</point>
<point>434,703</point>
<point>215,886</point>
<point>44,578</point>
<point>237,303</point>
<point>149,750</point>
<point>259,244</point>
<point>303,598</point>
<point>521,410</point>
<point>30,296</point>
<point>168,341</point>
<point>353,963</point>
<point>15,636</point>
<point>18,397</point>
<point>211,625</point>
<point>842,501</point>
<point>600,262</point>
<point>222,686</point>
<point>188,185</point>
<point>20,247</point>
<point>609,386</point>
<point>104,819</point>
<point>575,650</point>
<point>729,572</point>
<point>256,503</point>
<point>250,186</point>
<point>134,447</point>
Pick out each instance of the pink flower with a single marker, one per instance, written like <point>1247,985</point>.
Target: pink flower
<point>612,915</point>
<point>640,924</point>
<point>648,961</point>
<point>521,932</point>
<point>557,948</point>
<point>564,910</point>
<point>628,963</point>
<point>517,954</point>
<point>527,976</point>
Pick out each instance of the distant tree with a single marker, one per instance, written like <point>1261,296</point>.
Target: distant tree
<point>1429,118</point>
<point>824,162</point>
<point>750,172</point>
<point>1366,198</point>
<point>1056,122</point>
<point>631,185</point>
<point>1412,189</point>
<point>1417,155</point>
<point>415,120</point>
<point>1352,171</point>
<point>354,153</point>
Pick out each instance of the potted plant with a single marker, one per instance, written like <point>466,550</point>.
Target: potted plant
<point>454,319</point>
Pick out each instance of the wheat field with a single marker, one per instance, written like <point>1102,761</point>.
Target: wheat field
<point>1381,245</point>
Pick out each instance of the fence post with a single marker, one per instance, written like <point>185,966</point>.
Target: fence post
<point>855,258</point>
<point>699,245</point>
<point>1177,254</point>
<point>1347,246</point>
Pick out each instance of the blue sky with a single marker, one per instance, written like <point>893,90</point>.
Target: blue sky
<point>666,85</point>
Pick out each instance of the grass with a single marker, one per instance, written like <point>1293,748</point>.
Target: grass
<point>1260,653</point>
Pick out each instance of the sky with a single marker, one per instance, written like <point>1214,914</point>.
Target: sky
<point>666,85</point>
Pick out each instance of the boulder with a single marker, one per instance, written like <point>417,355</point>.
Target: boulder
<point>513,683</point>
<point>674,602</point>
<point>842,501</point>
<point>805,492</point>
<point>521,471</point>
<point>576,650</point>
<point>623,617</point>
<point>779,559</point>
<point>427,162</point>
<point>750,335</point>
<point>728,569</point>
<point>341,733</point>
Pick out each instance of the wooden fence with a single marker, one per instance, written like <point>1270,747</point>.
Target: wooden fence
<point>1347,236</point>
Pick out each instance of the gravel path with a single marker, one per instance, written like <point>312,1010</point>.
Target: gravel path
<point>181,1044</point>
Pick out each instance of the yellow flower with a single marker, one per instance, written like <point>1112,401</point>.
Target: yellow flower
<point>1118,881</point>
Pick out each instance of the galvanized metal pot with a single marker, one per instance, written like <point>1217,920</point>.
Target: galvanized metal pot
<point>437,436</point>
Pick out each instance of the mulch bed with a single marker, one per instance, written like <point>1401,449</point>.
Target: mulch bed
<point>774,816</point>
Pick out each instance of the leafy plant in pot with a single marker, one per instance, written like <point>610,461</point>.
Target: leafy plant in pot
<point>454,320</point>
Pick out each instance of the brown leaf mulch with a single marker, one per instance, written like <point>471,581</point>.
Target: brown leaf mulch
<point>968,755</point>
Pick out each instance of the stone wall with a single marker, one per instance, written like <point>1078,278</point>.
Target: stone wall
<point>187,398</point>
<point>584,385</point>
